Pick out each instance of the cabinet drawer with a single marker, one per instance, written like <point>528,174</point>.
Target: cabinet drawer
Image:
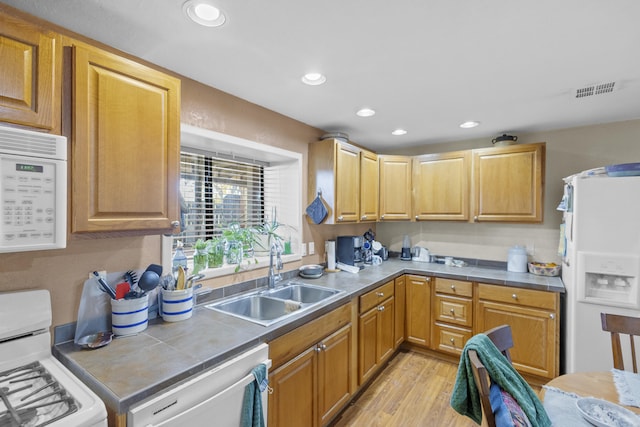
<point>518,296</point>
<point>376,296</point>
<point>454,287</point>
<point>450,339</point>
<point>453,310</point>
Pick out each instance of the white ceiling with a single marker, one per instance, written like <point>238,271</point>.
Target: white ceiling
<point>425,66</point>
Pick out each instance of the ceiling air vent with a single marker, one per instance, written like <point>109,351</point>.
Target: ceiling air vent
<point>595,89</point>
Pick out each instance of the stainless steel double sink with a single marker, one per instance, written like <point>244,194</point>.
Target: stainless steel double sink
<point>269,306</point>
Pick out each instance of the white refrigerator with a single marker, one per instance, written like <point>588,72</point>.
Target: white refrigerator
<point>601,264</point>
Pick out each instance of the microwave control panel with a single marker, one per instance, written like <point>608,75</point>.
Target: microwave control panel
<point>28,200</point>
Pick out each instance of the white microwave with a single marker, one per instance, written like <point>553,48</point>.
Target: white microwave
<point>33,190</point>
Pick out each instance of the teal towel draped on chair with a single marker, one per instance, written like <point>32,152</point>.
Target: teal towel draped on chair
<point>465,398</point>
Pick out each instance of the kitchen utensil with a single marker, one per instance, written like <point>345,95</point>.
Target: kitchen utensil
<point>192,279</point>
<point>132,278</point>
<point>96,340</point>
<point>148,281</point>
<point>104,285</point>
<point>180,280</point>
<point>122,289</point>
<point>168,282</point>
<point>155,268</point>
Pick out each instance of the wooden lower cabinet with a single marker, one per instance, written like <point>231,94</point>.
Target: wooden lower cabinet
<point>452,314</point>
<point>418,309</point>
<point>534,320</point>
<point>376,330</point>
<point>400,309</point>
<point>312,384</point>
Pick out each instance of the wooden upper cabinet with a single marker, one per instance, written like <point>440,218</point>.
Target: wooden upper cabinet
<point>508,183</point>
<point>369,186</point>
<point>334,171</point>
<point>126,144</point>
<point>441,186</point>
<point>30,75</point>
<point>395,187</point>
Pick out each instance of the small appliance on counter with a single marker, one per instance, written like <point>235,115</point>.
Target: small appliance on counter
<point>349,250</point>
<point>405,253</point>
<point>421,254</point>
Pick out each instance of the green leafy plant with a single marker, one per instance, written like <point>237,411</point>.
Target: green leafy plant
<point>199,256</point>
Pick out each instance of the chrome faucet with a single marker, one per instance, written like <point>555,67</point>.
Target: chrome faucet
<point>274,278</point>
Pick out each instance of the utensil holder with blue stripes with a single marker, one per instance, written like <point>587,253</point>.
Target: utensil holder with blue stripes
<point>176,305</point>
<point>129,316</point>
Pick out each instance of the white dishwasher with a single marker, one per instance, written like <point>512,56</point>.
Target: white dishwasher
<point>212,398</point>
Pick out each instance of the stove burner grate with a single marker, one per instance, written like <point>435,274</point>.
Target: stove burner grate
<point>31,397</point>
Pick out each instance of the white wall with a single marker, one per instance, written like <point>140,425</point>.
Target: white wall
<point>568,151</point>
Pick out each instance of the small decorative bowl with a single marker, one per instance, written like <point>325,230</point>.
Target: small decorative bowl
<point>544,269</point>
<point>311,271</point>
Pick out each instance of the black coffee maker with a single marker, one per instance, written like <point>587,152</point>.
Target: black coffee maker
<point>349,250</point>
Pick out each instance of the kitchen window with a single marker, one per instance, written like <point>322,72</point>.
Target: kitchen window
<point>228,180</point>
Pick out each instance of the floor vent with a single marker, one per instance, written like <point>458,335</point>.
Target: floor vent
<point>595,89</point>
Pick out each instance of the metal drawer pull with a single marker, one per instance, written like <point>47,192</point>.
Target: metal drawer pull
<point>380,294</point>
<point>363,217</point>
<point>453,287</point>
<point>452,311</point>
<point>552,316</point>
<point>514,296</point>
<point>381,308</point>
<point>340,218</point>
<point>452,340</point>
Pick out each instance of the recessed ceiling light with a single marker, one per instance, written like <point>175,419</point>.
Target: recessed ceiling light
<point>365,112</point>
<point>313,79</point>
<point>469,124</point>
<point>203,13</point>
<point>398,132</point>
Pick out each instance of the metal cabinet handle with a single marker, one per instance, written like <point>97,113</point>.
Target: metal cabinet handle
<point>453,287</point>
<point>452,340</point>
<point>428,279</point>
<point>318,349</point>
<point>363,217</point>
<point>381,308</point>
<point>452,311</point>
<point>514,296</point>
<point>417,217</point>
<point>175,224</point>
<point>380,294</point>
<point>552,316</point>
<point>475,218</point>
<point>340,218</point>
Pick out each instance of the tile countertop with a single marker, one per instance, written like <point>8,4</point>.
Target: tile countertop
<point>130,369</point>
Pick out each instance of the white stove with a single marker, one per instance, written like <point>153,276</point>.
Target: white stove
<point>35,388</point>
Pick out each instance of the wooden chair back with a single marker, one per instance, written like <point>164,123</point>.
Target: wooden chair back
<point>502,338</point>
<point>626,325</point>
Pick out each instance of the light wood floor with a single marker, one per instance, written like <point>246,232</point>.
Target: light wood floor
<point>413,390</point>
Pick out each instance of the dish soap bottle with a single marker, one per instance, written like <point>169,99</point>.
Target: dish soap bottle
<point>179,259</point>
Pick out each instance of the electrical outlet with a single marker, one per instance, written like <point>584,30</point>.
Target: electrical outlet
<point>312,248</point>
<point>303,249</point>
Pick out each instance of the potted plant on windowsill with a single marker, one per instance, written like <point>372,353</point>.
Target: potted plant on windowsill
<point>239,244</point>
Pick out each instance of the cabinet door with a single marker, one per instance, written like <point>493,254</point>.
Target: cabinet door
<point>125,144</point>
<point>400,296</point>
<point>334,373</point>
<point>31,75</point>
<point>368,186</point>
<point>347,183</point>
<point>386,329</point>
<point>293,400</point>
<point>508,183</point>
<point>395,187</point>
<point>535,333</point>
<point>367,344</point>
<point>441,186</point>
<point>418,309</point>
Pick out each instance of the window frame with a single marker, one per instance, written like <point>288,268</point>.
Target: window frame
<point>216,142</point>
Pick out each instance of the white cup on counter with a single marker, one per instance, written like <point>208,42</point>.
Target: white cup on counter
<point>129,316</point>
<point>175,305</point>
